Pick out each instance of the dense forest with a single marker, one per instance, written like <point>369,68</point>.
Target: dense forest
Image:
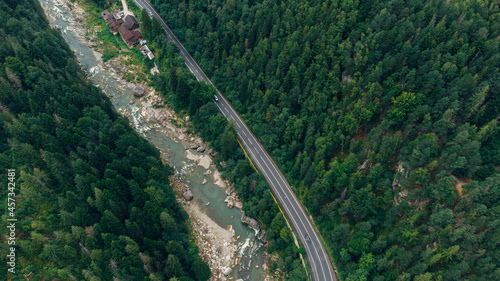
<point>382,114</point>
<point>93,201</point>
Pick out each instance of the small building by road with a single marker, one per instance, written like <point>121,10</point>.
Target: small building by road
<point>113,22</point>
<point>127,27</point>
<point>131,22</point>
<point>129,36</point>
<point>145,49</point>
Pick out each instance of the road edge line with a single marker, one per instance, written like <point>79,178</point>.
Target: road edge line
<point>250,160</point>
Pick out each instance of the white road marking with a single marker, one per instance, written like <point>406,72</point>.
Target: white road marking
<point>266,173</point>
<point>315,249</point>
<point>282,190</point>
<point>284,205</point>
<point>297,214</point>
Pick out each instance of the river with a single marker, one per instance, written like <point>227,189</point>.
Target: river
<point>250,249</point>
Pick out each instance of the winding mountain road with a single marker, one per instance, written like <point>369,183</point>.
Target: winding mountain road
<point>317,258</point>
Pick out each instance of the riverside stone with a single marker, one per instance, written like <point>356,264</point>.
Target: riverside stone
<point>238,205</point>
<point>226,271</point>
<point>262,236</point>
<point>138,91</point>
<point>188,195</point>
<point>251,222</point>
<point>213,153</point>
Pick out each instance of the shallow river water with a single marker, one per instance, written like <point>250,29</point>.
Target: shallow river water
<point>191,174</point>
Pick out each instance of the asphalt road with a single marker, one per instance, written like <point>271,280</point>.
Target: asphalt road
<point>318,262</point>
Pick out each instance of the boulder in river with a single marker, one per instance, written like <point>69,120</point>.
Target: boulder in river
<point>188,195</point>
<point>251,222</point>
<point>262,236</point>
<point>195,145</point>
<point>204,181</point>
<point>230,203</point>
<point>238,205</point>
<point>226,271</point>
<point>200,149</point>
<point>138,91</point>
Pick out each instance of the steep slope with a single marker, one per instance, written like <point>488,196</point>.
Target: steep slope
<point>92,199</point>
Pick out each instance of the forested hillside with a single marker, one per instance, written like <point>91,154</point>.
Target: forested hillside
<point>93,199</point>
<point>382,114</point>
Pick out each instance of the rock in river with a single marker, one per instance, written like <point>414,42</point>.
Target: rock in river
<point>138,91</point>
<point>251,222</point>
<point>200,149</point>
<point>262,236</point>
<point>230,202</point>
<point>188,195</point>
<point>226,271</point>
<point>238,205</point>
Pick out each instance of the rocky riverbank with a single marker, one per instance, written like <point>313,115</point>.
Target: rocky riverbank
<point>218,246</point>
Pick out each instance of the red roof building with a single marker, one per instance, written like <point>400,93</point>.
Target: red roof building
<point>129,36</point>
<point>127,28</point>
